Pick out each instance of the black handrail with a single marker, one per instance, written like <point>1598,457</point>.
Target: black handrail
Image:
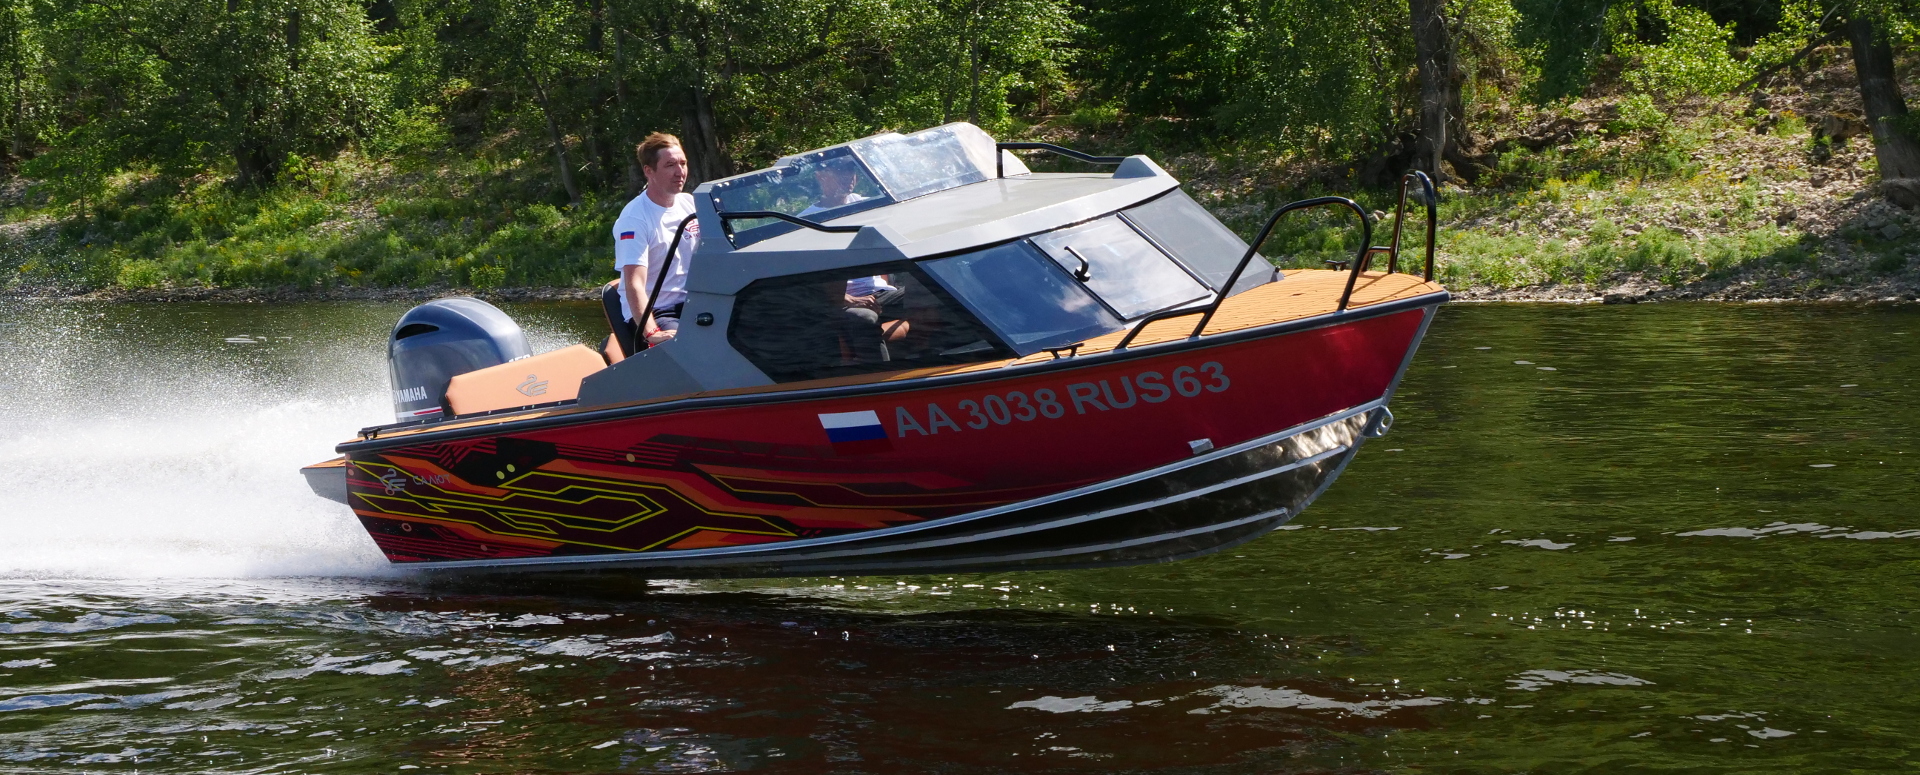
<point>726,221</point>
<point>659,282</point>
<point>1000,165</point>
<point>1206,312</point>
<point>1400,217</point>
<point>1150,319</point>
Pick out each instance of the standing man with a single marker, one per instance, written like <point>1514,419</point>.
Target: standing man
<point>641,235</point>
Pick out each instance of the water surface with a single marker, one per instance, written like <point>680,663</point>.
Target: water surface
<point>1598,539</point>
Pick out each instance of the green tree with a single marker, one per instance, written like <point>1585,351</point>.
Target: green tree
<point>1329,78</point>
<point>184,85</point>
<point>967,57</point>
<point>1173,58</point>
<point>1871,29</point>
<point>23,104</point>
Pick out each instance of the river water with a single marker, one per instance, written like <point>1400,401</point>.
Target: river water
<point>1598,539</point>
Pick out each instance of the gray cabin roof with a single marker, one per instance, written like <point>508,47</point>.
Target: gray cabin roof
<point>984,213</point>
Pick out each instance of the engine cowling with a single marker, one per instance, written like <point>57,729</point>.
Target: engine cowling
<point>441,339</point>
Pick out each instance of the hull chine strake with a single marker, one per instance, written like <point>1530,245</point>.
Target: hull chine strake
<point>1148,455</point>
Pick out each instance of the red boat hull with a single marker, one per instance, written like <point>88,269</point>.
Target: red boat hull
<point>986,470</point>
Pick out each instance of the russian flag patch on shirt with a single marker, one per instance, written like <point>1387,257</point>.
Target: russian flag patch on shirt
<point>626,235</point>
<point>856,432</point>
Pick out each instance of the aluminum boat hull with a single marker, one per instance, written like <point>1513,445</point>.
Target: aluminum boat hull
<point>1153,454</point>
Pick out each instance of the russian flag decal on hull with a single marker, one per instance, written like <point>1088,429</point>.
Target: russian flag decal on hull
<point>855,432</point>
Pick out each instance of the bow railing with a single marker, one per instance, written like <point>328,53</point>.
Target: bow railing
<point>1361,261</point>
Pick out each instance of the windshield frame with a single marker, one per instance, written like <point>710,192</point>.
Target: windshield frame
<point>890,168</point>
<point>980,303</point>
<point>798,175</point>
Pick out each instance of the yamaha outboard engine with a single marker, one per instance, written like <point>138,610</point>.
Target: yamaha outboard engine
<point>441,339</point>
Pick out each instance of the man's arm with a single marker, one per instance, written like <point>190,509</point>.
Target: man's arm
<point>634,278</point>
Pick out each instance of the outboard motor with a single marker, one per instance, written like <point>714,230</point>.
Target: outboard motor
<point>442,339</point>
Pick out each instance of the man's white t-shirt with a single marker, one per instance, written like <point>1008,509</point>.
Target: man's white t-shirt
<point>640,237</point>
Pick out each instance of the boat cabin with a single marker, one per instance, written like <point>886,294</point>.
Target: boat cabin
<point>992,262</point>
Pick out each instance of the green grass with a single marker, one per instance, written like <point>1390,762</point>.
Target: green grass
<point>346,224</point>
<point>1501,259</point>
<point>422,218</point>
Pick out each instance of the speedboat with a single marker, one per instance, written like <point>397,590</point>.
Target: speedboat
<point>905,354</point>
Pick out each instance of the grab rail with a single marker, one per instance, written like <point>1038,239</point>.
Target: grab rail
<point>1220,296</point>
<point>726,221</point>
<point>1400,217</point>
<point>658,283</point>
<point>1365,260</point>
<point>1000,165</point>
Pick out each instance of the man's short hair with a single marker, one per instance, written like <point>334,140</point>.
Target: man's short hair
<point>650,148</point>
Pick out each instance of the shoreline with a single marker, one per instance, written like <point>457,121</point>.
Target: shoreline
<point>1623,293</point>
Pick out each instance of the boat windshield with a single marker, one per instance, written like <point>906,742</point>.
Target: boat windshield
<point>1125,270</point>
<point>817,186</point>
<point>1028,300</point>
<point>929,160</point>
<point>861,175</point>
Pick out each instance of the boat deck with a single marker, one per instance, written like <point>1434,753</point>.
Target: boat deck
<point>1303,293</point>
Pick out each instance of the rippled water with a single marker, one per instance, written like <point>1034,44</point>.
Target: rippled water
<point>1598,538</point>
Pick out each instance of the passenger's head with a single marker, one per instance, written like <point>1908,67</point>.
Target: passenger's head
<point>663,162</point>
<point>836,179</point>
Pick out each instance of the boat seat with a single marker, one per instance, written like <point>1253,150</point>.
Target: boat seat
<point>541,379</point>
<point>617,323</point>
<point>610,350</point>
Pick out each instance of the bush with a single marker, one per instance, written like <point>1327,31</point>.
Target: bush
<point>1659,249</point>
<point>1695,58</point>
<point>140,274</point>
<point>1093,118</point>
<point>1637,113</point>
<point>487,278</point>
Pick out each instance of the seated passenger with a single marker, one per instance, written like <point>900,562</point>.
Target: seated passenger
<point>837,178</point>
<point>806,330</point>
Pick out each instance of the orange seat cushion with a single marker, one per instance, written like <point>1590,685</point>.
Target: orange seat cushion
<point>541,379</point>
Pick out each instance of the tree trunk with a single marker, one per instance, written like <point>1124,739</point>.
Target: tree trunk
<point>1897,151</point>
<point>701,139</point>
<point>18,141</point>
<point>293,115</point>
<point>293,39</point>
<point>252,162</point>
<point>1433,50</point>
<point>559,143</point>
<point>978,54</point>
<point>596,29</point>
<point>635,181</point>
<point>603,169</point>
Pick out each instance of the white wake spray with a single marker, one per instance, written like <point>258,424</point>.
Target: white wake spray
<point>127,459</point>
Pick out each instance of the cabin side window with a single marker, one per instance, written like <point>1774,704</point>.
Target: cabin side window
<point>854,321</point>
<point>1208,248</point>
<point>1126,271</point>
<point>1025,297</point>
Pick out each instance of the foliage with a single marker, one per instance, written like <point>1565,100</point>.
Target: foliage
<point>1693,56</point>
<point>320,143</point>
<point>1160,57</point>
<point>1332,78</point>
<point>182,85</point>
<point>1567,40</point>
